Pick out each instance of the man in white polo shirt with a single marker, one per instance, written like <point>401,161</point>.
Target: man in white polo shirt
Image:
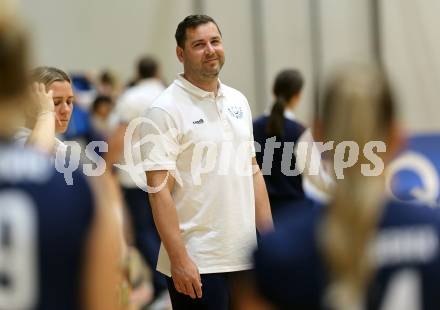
<point>209,194</point>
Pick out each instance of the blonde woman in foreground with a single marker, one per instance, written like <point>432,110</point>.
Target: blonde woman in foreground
<point>60,245</point>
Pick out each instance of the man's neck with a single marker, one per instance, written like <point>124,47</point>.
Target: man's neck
<point>209,85</point>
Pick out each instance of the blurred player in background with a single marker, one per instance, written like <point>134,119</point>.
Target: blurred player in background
<point>359,250</point>
<point>273,133</point>
<point>132,104</point>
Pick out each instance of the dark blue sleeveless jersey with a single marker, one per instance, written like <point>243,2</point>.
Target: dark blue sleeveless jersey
<point>291,273</point>
<point>43,229</point>
<point>280,187</point>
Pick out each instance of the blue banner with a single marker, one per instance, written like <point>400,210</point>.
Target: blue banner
<point>415,173</point>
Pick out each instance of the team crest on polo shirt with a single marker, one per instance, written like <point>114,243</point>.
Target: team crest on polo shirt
<point>236,112</point>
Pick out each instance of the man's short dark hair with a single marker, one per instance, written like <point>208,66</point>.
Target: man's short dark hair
<point>147,67</point>
<point>191,21</point>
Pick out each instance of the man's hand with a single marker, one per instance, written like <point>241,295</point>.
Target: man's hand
<point>186,277</point>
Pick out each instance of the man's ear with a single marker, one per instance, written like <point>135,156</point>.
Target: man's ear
<point>179,53</point>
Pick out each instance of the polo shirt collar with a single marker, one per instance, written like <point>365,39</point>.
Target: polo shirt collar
<point>191,88</point>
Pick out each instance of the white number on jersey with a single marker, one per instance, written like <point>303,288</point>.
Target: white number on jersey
<point>403,291</point>
<point>18,248</point>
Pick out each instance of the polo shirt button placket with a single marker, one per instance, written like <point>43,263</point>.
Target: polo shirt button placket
<point>226,126</point>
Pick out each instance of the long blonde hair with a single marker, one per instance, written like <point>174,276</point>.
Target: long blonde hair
<point>358,107</point>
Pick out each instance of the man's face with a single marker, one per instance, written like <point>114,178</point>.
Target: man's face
<point>203,55</point>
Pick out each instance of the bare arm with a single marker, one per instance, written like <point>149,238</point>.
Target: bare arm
<point>263,214</point>
<point>103,270</point>
<point>115,146</point>
<point>184,272</point>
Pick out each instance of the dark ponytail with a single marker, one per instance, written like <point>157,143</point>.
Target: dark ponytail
<point>275,125</point>
<point>288,83</point>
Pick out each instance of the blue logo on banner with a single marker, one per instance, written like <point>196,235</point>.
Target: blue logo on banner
<point>415,173</point>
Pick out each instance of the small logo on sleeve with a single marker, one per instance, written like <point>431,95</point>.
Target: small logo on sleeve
<point>199,122</point>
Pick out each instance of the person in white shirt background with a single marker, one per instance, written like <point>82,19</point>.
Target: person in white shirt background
<point>275,134</point>
<point>132,104</point>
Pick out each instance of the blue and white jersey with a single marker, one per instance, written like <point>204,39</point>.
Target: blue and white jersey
<point>43,229</point>
<point>291,273</point>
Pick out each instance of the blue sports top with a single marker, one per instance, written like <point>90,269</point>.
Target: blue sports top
<point>291,273</point>
<point>43,228</point>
